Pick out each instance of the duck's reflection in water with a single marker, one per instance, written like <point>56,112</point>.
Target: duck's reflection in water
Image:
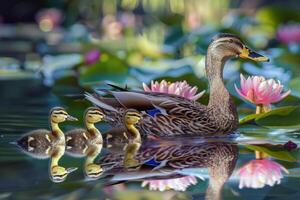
<point>172,159</point>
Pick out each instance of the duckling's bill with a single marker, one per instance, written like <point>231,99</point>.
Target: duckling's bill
<point>71,118</point>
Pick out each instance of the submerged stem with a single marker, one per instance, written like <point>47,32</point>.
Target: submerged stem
<point>260,108</point>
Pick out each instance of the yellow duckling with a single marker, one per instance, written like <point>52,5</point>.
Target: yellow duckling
<point>121,135</point>
<point>131,118</point>
<point>87,142</point>
<point>43,144</point>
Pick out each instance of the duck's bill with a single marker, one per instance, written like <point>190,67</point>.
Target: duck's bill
<point>252,55</point>
<point>71,118</point>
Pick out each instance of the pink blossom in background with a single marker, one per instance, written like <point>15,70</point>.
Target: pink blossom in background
<point>177,184</point>
<point>180,88</point>
<point>289,34</point>
<point>258,173</point>
<point>193,20</point>
<point>92,56</point>
<point>261,91</point>
<point>127,19</point>
<point>48,19</point>
<point>113,29</point>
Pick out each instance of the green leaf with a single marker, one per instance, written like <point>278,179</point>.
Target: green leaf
<point>273,151</point>
<point>109,68</point>
<point>285,117</point>
<point>295,87</point>
<point>253,130</point>
<point>248,118</point>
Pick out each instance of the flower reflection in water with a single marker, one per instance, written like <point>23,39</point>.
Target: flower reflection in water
<point>258,173</point>
<point>178,184</point>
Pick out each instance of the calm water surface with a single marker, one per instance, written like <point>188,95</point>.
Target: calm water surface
<point>24,107</point>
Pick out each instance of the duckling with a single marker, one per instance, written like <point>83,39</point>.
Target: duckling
<point>125,133</point>
<point>87,142</point>
<point>132,134</point>
<point>45,144</point>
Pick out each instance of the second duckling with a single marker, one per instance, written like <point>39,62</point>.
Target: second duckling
<point>87,142</point>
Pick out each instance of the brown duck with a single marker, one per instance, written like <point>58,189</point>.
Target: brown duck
<point>176,115</point>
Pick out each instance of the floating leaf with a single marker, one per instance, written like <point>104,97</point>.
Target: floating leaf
<point>273,151</point>
<point>295,87</point>
<point>109,68</point>
<point>285,117</point>
<point>279,117</point>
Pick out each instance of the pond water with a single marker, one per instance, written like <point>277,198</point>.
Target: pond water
<point>212,162</point>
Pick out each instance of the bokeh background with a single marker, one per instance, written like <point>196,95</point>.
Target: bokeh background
<point>51,51</point>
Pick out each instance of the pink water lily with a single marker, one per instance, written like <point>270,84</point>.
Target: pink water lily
<point>261,91</point>
<point>289,34</point>
<point>180,88</point>
<point>258,173</point>
<point>49,19</point>
<point>177,184</point>
<point>92,56</point>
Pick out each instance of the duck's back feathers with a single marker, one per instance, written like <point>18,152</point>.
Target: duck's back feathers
<point>163,114</point>
<point>36,143</point>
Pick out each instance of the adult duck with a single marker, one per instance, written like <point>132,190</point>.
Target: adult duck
<point>176,115</point>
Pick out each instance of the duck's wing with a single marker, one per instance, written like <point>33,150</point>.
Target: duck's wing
<point>36,143</point>
<point>163,114</point>
<point>77,142</point>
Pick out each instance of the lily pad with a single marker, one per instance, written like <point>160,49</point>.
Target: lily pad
<point>109,68</point>
<point>273,151</point>
<point>284,117</point>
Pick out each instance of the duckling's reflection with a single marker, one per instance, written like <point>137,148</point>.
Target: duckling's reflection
<point>168,159</point>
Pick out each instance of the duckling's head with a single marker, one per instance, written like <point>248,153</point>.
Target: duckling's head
<point>59,174</point>
<point>58,115</point>
<point>93,115</point>
<point>93,171</point>
<point>227,45</point>
<point>132,117</point>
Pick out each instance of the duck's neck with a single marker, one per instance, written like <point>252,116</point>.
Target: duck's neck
<point>219,95</point>
<point>134,132</point>
<point>92,129</point>
<point>56,131</point>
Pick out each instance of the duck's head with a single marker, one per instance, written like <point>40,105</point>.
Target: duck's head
<point>93,115</point>
<point>59,174</point>
<point>58,115</point>
<point>229,45</point>
<point>93,171</point>
<point>132,117</point>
